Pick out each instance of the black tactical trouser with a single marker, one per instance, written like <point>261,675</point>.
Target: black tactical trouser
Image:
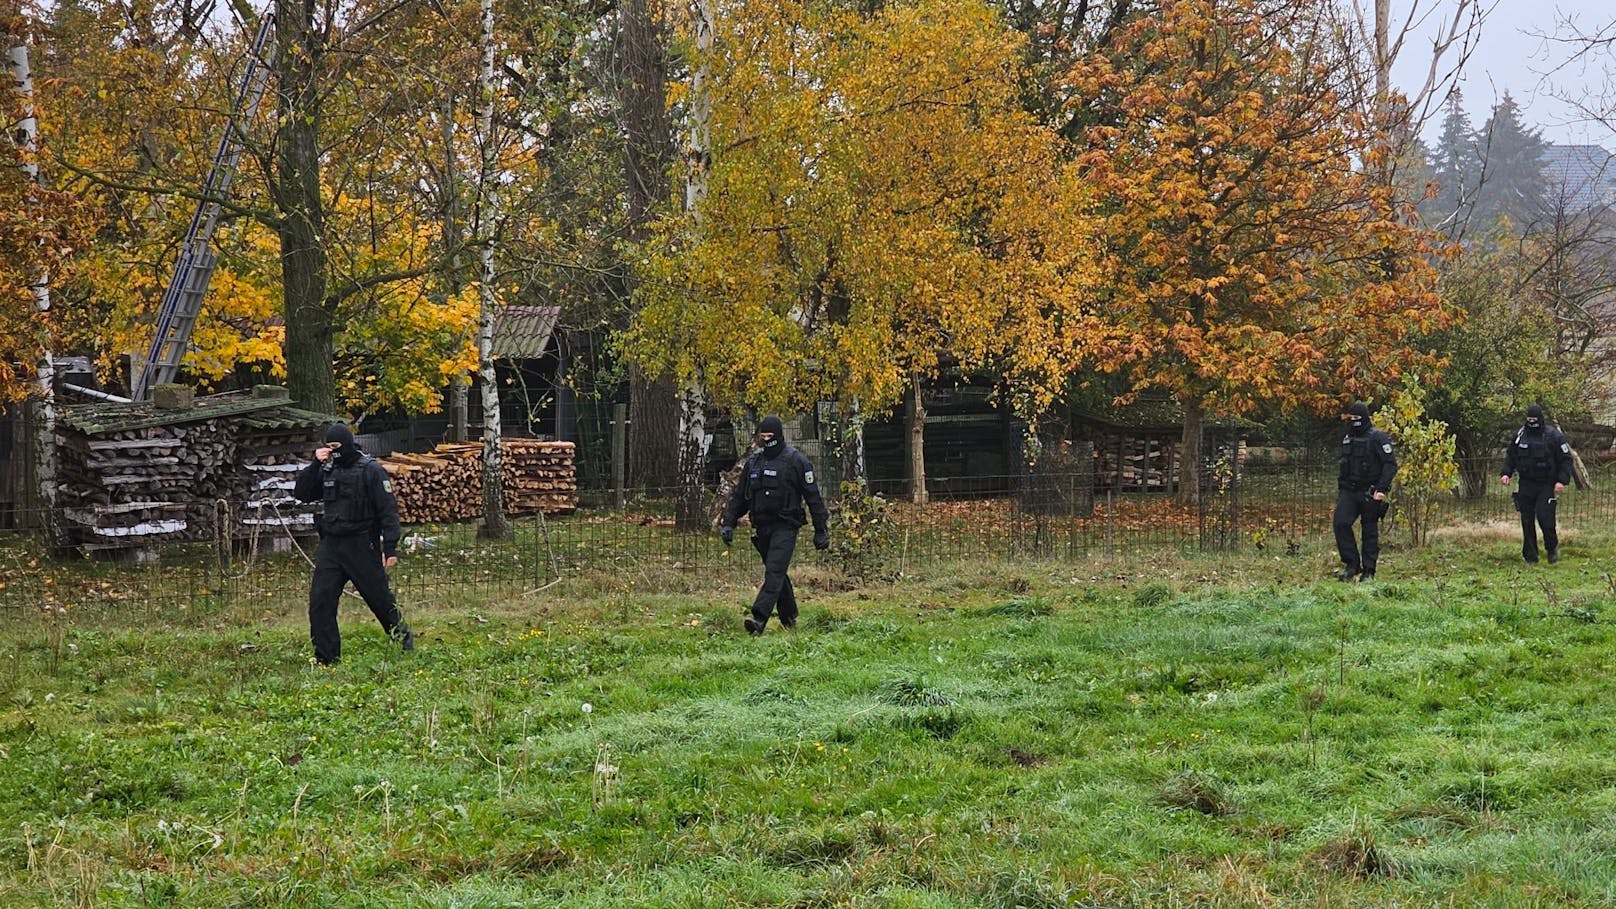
<point>1351,505</point>
<point>338,560</point>
<point>1536,501</point>
<point>775,543</point>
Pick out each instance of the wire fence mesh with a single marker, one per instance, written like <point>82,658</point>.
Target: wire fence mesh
<point>1061,517</point>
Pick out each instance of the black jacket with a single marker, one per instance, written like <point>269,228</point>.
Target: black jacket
<point>1367,462</point>
<point>773,490</point>
<point>358,499</point>
<point>1539,457</point>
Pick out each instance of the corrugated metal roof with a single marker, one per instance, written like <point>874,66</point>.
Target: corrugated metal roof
<point>287,418</point>
<point>523,332</point>
<point>106,417</point>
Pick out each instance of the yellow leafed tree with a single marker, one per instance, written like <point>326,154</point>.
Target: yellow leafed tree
<point>144,103</point>
<point>877,201</point>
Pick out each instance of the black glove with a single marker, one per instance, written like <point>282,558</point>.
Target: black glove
<point>728,533</point>
<point>821,539</point>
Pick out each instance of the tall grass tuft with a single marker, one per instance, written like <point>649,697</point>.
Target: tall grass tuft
<point>1356,854</point>
<point>1194,790</point>
<point>914,693</point>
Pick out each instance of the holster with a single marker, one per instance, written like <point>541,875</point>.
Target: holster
<point>1515,497</point>
<point>1372,507</point>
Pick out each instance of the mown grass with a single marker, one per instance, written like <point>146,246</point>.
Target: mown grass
<point>1178,731</point>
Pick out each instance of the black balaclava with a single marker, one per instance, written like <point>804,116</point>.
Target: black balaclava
<point>1359,424</point>
<point>349,452</point>
<point>1534,418</point>
<point>771,423</point>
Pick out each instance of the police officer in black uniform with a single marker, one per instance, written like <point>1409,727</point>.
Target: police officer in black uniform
<point>358,540</point>
<point>774,485</point>
<point>1541,456</point>
<point>1367,468</point>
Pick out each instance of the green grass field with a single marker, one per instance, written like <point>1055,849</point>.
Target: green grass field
<point>1173,731</point>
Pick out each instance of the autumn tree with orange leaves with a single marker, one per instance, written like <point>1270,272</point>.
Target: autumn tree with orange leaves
<point>1248,262</point>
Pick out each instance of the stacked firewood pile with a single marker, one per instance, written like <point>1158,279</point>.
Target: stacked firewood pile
<point>1136,462</point>
<point>143,483</point>
<point>272,452</point>
<point>446,483</point>
<point>539,476</point>
<point>435,486</point>
<point>129,475</point>
<point>222,468</point>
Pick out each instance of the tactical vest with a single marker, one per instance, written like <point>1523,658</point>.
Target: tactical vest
<point>1534,456</point>
<point>1360,467</point>
<point>774,492</point>
<point>348,508</point>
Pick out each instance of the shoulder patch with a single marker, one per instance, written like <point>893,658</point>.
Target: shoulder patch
<point>1386,447</point>
<point>1565,447</point>
<point>387,485</point>
<point>809,477</point>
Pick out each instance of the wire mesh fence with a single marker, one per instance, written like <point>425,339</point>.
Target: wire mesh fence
<point>1061,517</point>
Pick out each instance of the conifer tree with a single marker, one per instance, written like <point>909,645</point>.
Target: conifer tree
<point>1455,170</point>
<point>1511,184</point>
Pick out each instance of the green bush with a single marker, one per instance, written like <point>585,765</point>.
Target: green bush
<point>863,537</point>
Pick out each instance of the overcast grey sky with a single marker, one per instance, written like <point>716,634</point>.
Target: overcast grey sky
<point>1514,56</point>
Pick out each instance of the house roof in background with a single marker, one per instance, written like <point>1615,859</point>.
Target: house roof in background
<point>1583,175</point>
<point>523,332</point>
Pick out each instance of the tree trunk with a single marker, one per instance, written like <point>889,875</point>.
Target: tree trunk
<point>917,441</point>
<point>459,408</point>
<point>459,403</point>
<point>1579,472</point>
<point>690,513</point>
<point>26,134</point>
<point>642,96</point>
<point>654,433</point>
<point>654,439</point>
<point>310,345</point>
<point>1189,464</point>
<point>698,149</point>
<point>850,432</point>
<point>495,524</point>
<point>698,155</point>
<point>1383,62</point>
<point>1476,467</point>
